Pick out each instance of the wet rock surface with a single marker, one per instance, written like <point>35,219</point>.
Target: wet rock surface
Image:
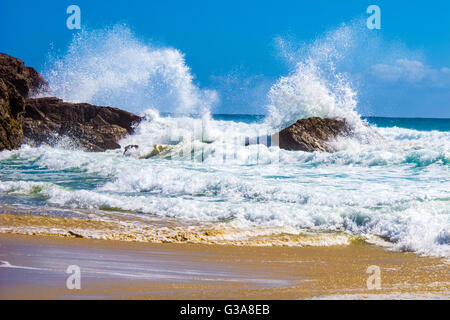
<point>312,134</point>
<point>90,127</point>
<point>17,83</point>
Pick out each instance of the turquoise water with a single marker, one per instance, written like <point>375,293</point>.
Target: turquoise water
<point>421,124</point>
<point>395,186</point>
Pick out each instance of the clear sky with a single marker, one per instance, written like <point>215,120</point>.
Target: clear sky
<point>230,45</point>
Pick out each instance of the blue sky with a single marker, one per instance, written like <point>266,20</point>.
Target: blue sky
<point>231,46</point>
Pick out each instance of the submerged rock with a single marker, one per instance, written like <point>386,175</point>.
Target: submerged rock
<point>91,127</point>
<point>158,149</point>
<point>128,150</point>
<point>312,134</point>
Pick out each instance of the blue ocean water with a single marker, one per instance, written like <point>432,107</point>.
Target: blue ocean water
<point>420,124</point>
<point>395,188</point>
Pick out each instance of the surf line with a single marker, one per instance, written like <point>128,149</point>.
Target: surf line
<point>6,264</point>
<point>193,310</point>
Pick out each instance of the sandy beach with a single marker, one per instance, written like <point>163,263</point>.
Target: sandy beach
<point>34,267</point>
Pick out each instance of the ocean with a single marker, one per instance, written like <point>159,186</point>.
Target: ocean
<point>388,184</point>
<point>394,191</point>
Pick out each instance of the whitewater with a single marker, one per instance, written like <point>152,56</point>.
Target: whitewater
<point>389,184</point>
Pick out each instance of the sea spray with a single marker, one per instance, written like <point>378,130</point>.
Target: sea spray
<point>315,87</point>
<point>111,67</point>
<point>305,93</point>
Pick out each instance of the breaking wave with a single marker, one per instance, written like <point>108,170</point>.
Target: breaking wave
<point>395,187</point>
<point>111,67</point>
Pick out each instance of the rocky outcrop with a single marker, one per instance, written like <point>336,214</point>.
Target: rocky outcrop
<point>46,120</point>
<point>91,127</point>
<point>17,83</point>
<point>25,80</point>
<point>312,134</point>
<point>11,110</point>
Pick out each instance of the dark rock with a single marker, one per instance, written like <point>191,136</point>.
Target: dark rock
<point>129,148</point>
<point>26,80</point>
<point>17,82</point>
<point>11,110</point>
<point>312,134</point>
<point>91,127</point>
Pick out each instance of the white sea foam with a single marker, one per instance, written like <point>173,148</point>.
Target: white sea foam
<point>112,67</point>
<point>398,190</point>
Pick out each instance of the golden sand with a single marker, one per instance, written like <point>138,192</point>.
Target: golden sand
<point>133,228</point>
<point>299,272</point>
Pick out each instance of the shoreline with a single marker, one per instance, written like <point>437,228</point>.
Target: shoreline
<point>33,267</point>
<point>106,226</point>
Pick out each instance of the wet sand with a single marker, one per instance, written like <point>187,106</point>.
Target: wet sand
<point>35,267</point>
